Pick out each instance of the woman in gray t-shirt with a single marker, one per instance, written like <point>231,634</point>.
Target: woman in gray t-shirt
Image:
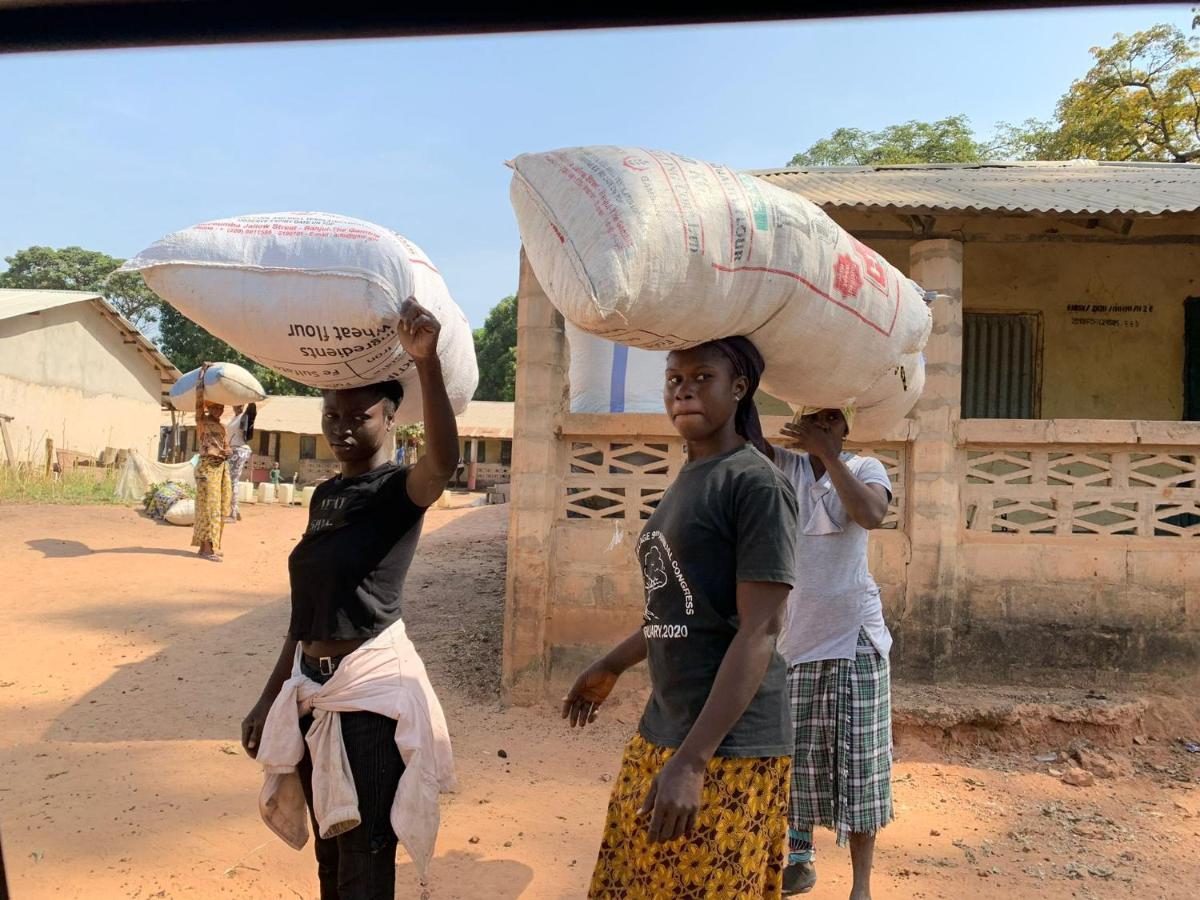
<point>835,644</point>
<point>701,799</point>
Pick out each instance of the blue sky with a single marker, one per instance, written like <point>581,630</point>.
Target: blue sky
<point>111,150</point>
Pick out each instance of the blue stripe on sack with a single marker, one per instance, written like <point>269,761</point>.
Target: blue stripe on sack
<point>616,389</point>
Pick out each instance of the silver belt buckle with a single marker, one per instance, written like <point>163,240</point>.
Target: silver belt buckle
<point>326,665</point>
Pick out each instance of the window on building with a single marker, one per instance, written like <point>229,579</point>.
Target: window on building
<point>308,446</point>
<point>1191,359</point>
<point>482,445</point>
<point>466,451</point>
<point>1002,365</point>
<point>506,453</point>
<point>264,443</point>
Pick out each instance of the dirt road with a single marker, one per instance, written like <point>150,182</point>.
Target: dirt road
<point>128,665</point>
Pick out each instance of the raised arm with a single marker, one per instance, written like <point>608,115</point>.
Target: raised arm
<point>200,394</point>
<point>419,330</point>
<point>866,504</point>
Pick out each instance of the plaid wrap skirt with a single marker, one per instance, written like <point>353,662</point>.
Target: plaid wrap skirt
<point>842,766</point>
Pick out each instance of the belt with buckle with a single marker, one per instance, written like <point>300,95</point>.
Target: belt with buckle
<point>326,665</point>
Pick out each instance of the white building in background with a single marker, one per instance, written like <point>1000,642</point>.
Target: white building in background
<point>74,372</point>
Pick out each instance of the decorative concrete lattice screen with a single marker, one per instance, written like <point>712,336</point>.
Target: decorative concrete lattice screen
<point>1124,492</point>
<point>624,478</point>
<point>612,478</point>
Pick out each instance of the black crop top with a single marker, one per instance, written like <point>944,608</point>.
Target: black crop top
<point>348,570</point>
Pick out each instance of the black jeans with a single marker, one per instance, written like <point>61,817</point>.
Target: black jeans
<point>359,864</point>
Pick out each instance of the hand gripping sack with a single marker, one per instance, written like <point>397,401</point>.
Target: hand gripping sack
<point>314,296</point>
<point>659,251</point>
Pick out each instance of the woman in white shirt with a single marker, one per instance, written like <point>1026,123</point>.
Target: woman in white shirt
<point>836,645</point>
<point>240,430</point>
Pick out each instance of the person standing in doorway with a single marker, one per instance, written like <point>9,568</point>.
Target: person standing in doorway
<point>836,646</point>
<point>213,493</point>
<point>239,433</point>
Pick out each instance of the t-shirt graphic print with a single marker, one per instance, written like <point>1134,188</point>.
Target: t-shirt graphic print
<point>666,587</point>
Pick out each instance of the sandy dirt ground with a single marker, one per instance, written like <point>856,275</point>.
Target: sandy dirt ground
<point>129,664</point>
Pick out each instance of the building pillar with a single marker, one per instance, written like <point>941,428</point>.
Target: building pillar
<point>936,470</point>
<point>537,487</point>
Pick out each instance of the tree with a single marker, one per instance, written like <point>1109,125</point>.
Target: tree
<point>496,352</point>
<point>1140,101</point>
<point>189,346</point>
<point>77,269</point>
<point>948,140</point>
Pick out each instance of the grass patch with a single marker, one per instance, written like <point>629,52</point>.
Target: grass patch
<point>89,486</point>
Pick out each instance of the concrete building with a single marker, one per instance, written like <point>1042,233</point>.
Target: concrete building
<point>485,435</point>
<point>1047,486</point>
<point>74,372</point>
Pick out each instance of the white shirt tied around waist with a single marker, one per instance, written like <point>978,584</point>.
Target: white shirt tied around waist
<point>384,676</point>
<point>834,595</point>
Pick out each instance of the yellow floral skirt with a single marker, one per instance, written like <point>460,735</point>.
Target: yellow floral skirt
<point>214,500</point>
<point>737,850</point>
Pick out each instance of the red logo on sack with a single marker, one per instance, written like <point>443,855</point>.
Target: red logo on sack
<point>637,163</point>
<point>846,276</point>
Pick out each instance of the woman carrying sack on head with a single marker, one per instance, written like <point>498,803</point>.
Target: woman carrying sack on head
<point>699,808</point>
<point>836,646</point>
<point>214,494</point>
<point>348,724</point>
<point>239,432</point>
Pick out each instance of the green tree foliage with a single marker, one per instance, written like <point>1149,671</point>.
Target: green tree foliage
<point>948,140</point>
<point>1140,101</point>
<point>77,269</point>
<point>496,352</point>
<point>189,346</point>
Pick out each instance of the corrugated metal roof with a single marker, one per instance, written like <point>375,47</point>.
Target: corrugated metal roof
<point>1081,187</point>
<point>15,303</point>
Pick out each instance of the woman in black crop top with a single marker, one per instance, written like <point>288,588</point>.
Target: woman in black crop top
<point>347,575</point>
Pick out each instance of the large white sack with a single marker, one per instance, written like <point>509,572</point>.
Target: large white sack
<point>608,377</point>
<point>225,383</point>
<point>314,296</point>
<point>182,512</point>
<point>886,403</point>
<point>658,251</point>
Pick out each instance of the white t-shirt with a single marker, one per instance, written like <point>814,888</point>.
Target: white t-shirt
<point>835,594</point>
<point>236,431</point>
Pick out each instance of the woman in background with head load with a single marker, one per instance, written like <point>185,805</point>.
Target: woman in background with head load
<point>214,494</point>
<point>836,646</point>
<point>240,431</point>
<point>699,808</point>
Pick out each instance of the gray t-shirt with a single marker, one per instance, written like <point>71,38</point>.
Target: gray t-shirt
<point>834,594</point>
<point>725,520</point>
